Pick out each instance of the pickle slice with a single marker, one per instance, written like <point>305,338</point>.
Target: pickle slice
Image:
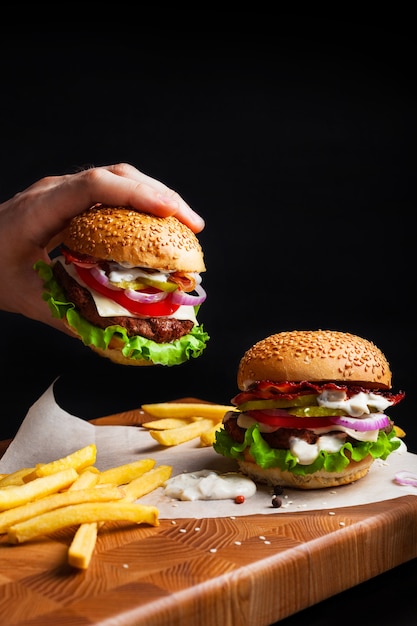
<point>260,405</point>
<point>315,411</point>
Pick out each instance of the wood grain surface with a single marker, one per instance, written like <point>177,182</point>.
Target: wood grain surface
<point>252,570</point>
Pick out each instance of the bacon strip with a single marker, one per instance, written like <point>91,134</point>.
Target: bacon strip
<point>285,390</point>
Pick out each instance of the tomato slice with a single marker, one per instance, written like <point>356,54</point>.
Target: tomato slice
<point>155,309</point>
<point>281,419</point>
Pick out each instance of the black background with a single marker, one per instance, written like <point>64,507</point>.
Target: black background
<point>296,144</point>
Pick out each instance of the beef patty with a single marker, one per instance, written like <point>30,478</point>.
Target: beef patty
<point>159,329</point>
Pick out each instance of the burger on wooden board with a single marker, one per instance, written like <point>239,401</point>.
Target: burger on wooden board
<point>128,285</point>
<point>311,410</point>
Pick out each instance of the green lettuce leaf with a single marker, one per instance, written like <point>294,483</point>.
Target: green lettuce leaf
<point>266,457</point>
<point>174,353</point>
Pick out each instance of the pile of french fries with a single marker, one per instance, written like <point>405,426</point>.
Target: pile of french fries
<point>71,491</point>
<point>178,422</point>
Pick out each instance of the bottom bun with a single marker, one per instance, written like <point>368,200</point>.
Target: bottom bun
<point>318,480</point>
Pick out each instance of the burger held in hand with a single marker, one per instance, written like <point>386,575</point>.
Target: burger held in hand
<point>128,285</point>
<point>311,412</point>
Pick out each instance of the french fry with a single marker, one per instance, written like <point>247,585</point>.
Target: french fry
<point>175,421</point>
<point>175,436</point>
<point>76,514</point>
<point>71,491</point>
<point>15,478</point>
<point>78,460</point>
<point>89,468</point>
<point>214,412</point>
<point>399,432</point>
<point>38,488</point>
<point>142,485</point>
<point>82,546</point>
<point>165,423</point>
<point>123,474</point>
<point>148,479</point>
<point>85,480</point>
<point>208,437</point>
<point>54,501</point>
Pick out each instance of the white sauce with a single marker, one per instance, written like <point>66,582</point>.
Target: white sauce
<point>246,421</point>
<point>119,273</point>
<point>307,453</point>
<point>209,485</point>
<point>355,406</point>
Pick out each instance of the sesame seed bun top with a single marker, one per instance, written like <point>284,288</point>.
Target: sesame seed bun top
<point>139,239</point>
<point>315,356</point>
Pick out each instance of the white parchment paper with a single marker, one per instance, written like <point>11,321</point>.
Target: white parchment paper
<point>48,433</point>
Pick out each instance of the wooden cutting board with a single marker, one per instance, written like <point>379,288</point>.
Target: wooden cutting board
<point>252,570</point>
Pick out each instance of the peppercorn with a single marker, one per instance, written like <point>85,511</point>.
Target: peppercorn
<point>240,499</point>
<point>276,502</point>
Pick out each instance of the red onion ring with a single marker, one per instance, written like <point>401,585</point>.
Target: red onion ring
<point>143,297</point>
<point>406,478</point>
<point>101,278</point>
<point>181,297</point>
<point>374,422</point>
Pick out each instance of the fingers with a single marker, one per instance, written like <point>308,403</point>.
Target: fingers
<point>152,196</point>
<point>120,184</point>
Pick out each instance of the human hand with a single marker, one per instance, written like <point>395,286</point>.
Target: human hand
<point>31,223</point>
